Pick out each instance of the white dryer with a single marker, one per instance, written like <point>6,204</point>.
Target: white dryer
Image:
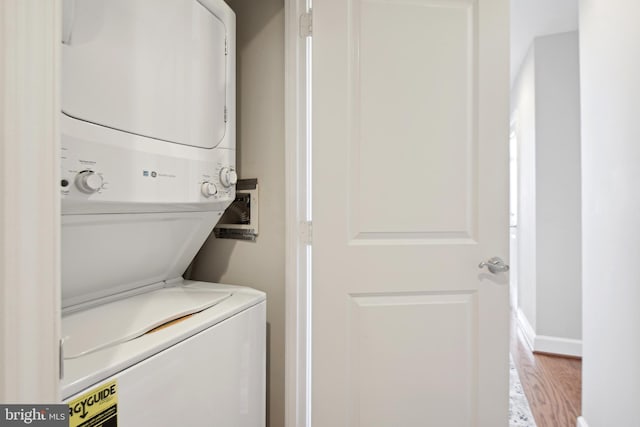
<point>148,167</point>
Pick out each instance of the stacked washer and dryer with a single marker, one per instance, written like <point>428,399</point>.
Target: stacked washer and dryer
<point>148,167</point>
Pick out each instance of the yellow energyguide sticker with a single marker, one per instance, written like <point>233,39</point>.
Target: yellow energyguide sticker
<point>97,407</point>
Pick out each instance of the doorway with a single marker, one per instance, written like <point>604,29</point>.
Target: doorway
<point>545,210</point>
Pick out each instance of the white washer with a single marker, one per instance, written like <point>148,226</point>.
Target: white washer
<point>207,370</point>
<point>148,167</point>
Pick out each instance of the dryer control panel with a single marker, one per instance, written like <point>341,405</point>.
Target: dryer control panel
<point>102,178</point>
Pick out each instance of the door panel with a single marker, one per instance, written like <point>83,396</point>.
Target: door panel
<point>413,119</point>
<point>410,191</point>
<point>391,334</point>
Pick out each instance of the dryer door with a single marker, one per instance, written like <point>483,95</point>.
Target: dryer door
<point>155,68</point>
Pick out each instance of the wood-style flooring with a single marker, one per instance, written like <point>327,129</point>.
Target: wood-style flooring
<point>552,384</point>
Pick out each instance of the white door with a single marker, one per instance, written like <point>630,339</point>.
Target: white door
<point>410,194</point>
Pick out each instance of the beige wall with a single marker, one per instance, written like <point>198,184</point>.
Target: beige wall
<point>260,98</point>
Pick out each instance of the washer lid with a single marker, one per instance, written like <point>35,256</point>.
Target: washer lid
<point>156,68</point>
<point>119,321</point>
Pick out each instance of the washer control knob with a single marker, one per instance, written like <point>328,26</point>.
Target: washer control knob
<point>228,177</point>
<point>88,182</point>
<point>209,189</point>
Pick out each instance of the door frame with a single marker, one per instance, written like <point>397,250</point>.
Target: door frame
<point>29,201</point>
<point>297,226</point>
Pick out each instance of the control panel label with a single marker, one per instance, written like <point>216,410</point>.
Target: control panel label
<point>96,408</point>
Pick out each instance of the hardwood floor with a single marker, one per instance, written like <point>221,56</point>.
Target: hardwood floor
<point>552,384</point>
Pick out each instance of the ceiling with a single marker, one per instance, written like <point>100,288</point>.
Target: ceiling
<point>533,18</point>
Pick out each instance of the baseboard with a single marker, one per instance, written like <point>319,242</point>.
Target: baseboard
<point>582,422</point>
<point>527,331</point>
<point>547,344</point>
<point>555,345</point>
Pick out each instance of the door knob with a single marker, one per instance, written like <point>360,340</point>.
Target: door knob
<point>495,265</point>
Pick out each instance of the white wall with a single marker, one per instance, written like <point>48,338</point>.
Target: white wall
<point>610,66</point>
<point>523,111</point>
<point>558,253</point>
<point>260,96</point>
<point>546,105</point>
<point>533,18</point>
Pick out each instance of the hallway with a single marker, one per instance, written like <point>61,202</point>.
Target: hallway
<point>552,384</point>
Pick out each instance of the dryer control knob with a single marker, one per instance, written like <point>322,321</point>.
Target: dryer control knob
<point>88,182</point>
<point>209,189</point>
<point>228,177</point>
